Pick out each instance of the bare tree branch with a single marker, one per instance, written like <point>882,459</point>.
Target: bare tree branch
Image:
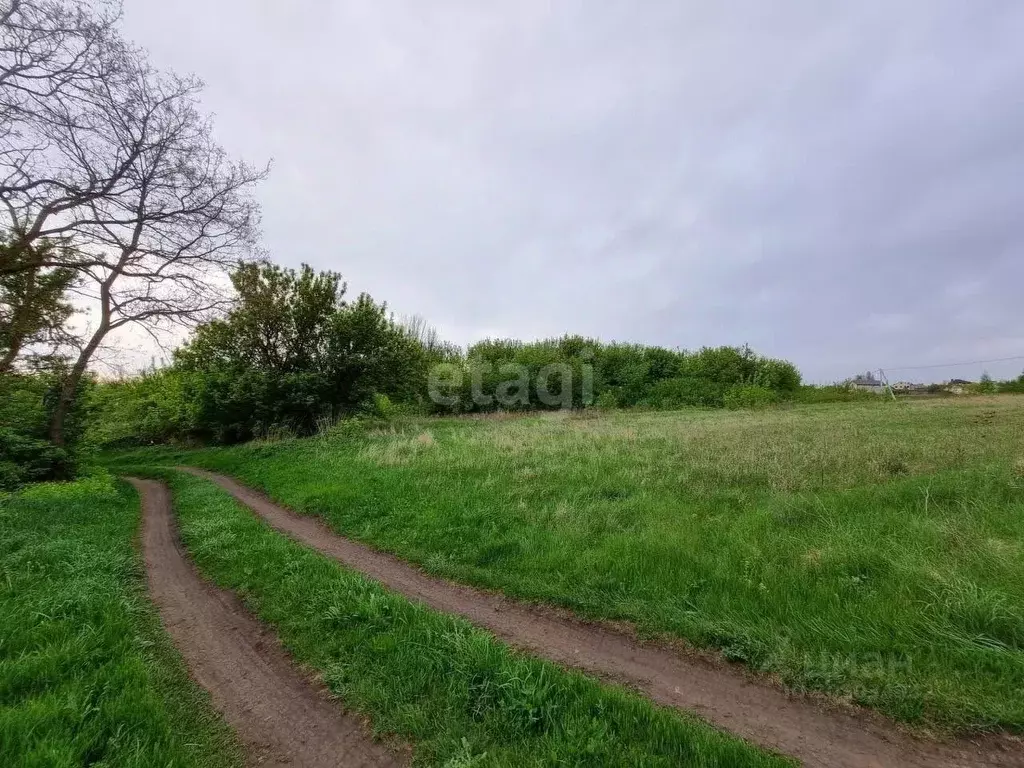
<point>115,159</point>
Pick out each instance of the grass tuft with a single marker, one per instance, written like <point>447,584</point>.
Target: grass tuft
<point>87,675</point>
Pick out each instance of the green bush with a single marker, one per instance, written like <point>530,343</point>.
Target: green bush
<point>382,407</point>
<point>751,396</point>
<point>26,453</point>
<point>27,459</point>
<point>148,409</point>
<point>687,391</point>
<point>832,393</point>
<point>629,375</point>
<point>1014,386</point>
<point>291,356</point>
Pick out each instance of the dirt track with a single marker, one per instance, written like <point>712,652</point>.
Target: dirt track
<point>281,718</point>
<point>789,724</point>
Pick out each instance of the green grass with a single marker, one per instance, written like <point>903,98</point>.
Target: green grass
<point>460,697</point>
<point>87,676</point>
<point>872,551</point>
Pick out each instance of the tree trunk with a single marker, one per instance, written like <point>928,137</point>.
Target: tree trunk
<point>9,357</point>
<point>69,390</point>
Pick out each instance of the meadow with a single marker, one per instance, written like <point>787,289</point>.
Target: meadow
<point>456,695</point>
<point>87,675</point>
<point>873,552</point>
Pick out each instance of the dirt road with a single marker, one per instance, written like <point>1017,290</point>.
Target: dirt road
<point>282,718</point>
<point>765,715</point>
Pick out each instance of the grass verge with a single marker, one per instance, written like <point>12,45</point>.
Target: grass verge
<point>87,675</point>
<point>461,697</point>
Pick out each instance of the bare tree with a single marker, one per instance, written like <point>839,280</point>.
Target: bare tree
<point>52,46</point>
<point>156,244</point>
<point>56,56</point>
<point>114,161</point>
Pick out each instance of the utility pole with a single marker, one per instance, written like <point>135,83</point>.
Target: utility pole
<point>885,380</point>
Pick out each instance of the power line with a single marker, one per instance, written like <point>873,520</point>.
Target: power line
<point>952,365</point>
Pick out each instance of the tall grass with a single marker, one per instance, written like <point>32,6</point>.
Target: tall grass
<point>873,552</point>
<point>87,676</point>
<point>458,695</point>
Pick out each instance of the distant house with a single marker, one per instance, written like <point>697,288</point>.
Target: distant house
<point>958,386</point>
<point>866,383</point>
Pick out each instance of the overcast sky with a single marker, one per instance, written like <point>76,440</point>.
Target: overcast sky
<point>838,183</point>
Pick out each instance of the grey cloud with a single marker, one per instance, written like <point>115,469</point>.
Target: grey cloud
<point>837,183</point>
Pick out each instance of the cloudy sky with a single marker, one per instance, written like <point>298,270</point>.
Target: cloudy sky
<point>839,183</point>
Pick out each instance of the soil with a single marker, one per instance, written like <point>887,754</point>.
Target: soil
<point>281,717</point>
<point>816,732</point>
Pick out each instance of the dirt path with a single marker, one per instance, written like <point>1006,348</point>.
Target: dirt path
<point>282,718</point>
<point>790,724</point>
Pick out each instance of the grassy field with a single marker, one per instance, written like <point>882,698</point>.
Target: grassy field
<point>871,551</point>
<point>456,694</point>
<point>87,676</point>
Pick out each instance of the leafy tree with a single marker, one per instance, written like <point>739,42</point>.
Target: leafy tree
<point>280,322</point>
<point>293,354</point>
<point>33,303</point>
<point>26,453</point>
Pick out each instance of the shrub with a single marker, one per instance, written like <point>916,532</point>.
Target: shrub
<point>26,453</point>
<point>833,393</point>
<point>151,408</point>
<point>27,459</point>
<point>383,408</point>
<point>749,396</point>
<point>1015,386</point>
<point>690,390</point>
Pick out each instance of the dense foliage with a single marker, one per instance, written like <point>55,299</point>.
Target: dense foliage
<point>291,355</point>
<point>26,453</point>
<point>1015,386</point>
<point>575,372</point>
<point>34,305</point>
<point>294,355</point>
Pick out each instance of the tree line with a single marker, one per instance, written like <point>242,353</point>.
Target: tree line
<point>294,355</point>
<point>119,209</point>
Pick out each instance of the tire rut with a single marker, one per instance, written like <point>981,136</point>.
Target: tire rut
<point>281,717</point>
<point>790,724</point>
